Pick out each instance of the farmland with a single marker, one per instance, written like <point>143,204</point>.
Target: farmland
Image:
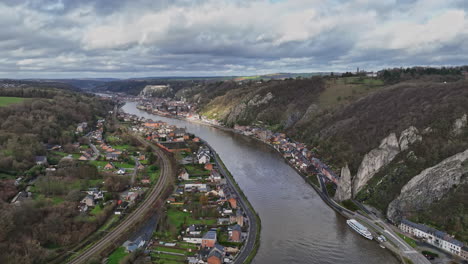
<point>4,101</point>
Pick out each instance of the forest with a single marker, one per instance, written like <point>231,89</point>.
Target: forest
<point>30,233</point>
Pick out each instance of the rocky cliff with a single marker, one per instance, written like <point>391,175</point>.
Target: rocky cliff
<point>374,160</point>
<point>155,90</point>
<point>343,192</point>
<point>430,186</point>
<point>460,124</point>
<point>408,137</point>
<point>383,155</point>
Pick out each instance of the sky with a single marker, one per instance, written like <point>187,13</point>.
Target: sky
<point>137,38</point>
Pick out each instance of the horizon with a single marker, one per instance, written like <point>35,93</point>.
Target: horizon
<point>73,77</point>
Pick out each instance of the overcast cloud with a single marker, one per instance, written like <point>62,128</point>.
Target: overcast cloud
<point>114,38</point>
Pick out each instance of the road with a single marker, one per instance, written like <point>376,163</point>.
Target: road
<point>380,226</point>
<point>135,171</point>
<point>116,234</point>
<point>96,151</point>
<point>250,242</point>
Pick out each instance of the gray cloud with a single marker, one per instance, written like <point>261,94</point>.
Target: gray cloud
<point>115,38</point>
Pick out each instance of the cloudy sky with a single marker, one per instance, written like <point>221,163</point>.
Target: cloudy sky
<point>135,38</point>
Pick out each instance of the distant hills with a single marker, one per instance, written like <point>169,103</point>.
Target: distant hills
<point>135,85</point>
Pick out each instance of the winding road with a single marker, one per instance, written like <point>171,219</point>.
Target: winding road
<point>113,238</point>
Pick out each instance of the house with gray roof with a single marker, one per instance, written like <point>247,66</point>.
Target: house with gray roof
<point>432,236</point>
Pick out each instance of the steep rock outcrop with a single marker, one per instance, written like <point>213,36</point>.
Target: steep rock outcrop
<point>374,160</point>
<point>235,114</point>
<point>430,185</point>
<point>155,90</point>
<point>460,124</point>
<point>258,100</point>
<point>344,191</point>
<point>408,137</point>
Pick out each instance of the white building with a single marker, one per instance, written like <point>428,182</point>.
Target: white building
<point>432,236</point>
<point>203,155</point>
<point>193,240</point>
<point>201,187</point>
<point>183,175</point>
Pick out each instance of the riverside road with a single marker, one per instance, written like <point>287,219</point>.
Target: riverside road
<point>297,226</point>
<point>250,242</point>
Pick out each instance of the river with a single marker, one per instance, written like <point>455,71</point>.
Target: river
<point>297,226</point>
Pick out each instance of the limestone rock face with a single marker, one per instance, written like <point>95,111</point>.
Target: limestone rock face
<point>258,100</point>
<point>460,124</point>
<point>430,186</point>
<point>344,191</point>
<point>375,160</point>
<point>234,115</point>
<point>408,137</point>
<point>155,90</point>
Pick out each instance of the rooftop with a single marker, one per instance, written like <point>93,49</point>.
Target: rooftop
<point>210,235</point>
<point>433,231</point>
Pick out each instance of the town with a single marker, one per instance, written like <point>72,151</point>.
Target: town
<point>204,221</point>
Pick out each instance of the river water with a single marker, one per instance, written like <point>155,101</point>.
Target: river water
<point>297,226</point>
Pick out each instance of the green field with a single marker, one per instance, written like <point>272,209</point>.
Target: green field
<point>167,258</point>
<point>122,147</point>
<point>187,245</point>
<point>123,165</point>
<point>99,163</point>
<point>408,240</point>
<point>96,210</point>
<point>4,101</point>
<point>196,169</point>
<point>117,256</point>
<point>347,89</point>
<point>179,218</point>
<point>6,176</point>
<point>171,249</point>
<point>54,199</point>
<point>112,139</point>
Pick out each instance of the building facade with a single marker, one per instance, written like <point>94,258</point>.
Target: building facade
<point>432,236</point>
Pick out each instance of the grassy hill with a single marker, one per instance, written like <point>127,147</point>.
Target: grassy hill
<point>4,101</point>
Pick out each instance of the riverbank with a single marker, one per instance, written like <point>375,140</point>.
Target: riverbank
<point>297,226</point>
<point>254,219</point>
<point>322,193</point>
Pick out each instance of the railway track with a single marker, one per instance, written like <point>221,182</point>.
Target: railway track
<point>115,235</point>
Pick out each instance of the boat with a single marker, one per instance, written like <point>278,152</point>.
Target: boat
<point>382,246</point>
<point>358,227</point>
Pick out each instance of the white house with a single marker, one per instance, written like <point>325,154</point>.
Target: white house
<point>201,187</point>
<point>432,236</point>
<point>203,155</point>
<point>183,175</point>
<point>203,159</point>
<point>215,176</point>
<point>193,240</point>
